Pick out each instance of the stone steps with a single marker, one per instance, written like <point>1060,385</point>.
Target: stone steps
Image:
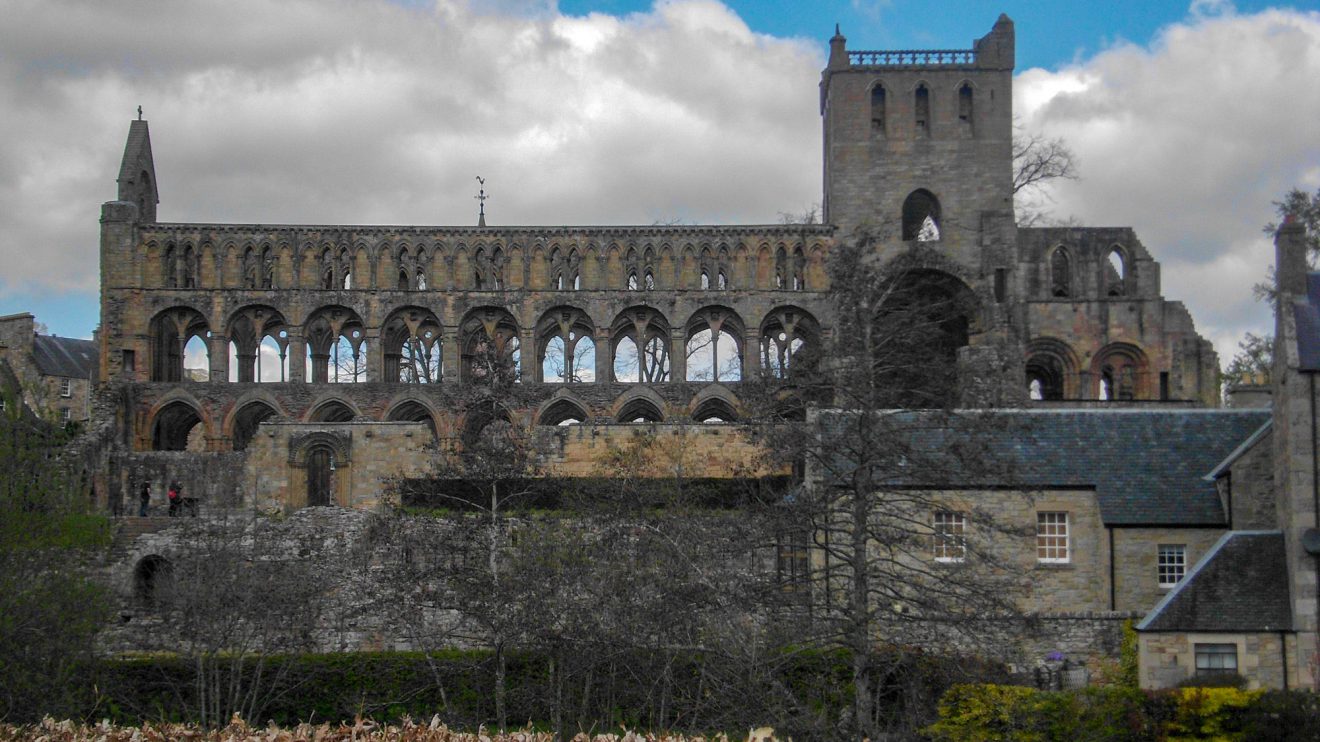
<point>129,528</point>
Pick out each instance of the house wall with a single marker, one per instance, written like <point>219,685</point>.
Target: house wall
<point>1136,552</point>
<point>1168,658</point>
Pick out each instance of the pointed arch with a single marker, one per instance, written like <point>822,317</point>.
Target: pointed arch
<point>171,330</point>
<point>490,346</point>
<point>921,216</point>
<point>411,343</point>
<point>1060,273</point>
<point>562,411</point>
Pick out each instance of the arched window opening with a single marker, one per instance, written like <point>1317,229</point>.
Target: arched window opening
<point>413,412</point>
<point>1060,274</point>
<point>1045,376</point>
<point>344,270</point>
<point>565,270</point>
<point>492,352</point>
<point>178,427</point>
<point>878,109</point>
<point>649,280</point>
<point>640,411</point>
<point>191,270</point>
<point>723,281</point>
<point>259,345</point>
<point>251,269</point>
<point>921,110</point>
<point>333,411</point>
<point>1106,391</point>
<point>714,348</point>
<point>788,340</point>
<point>196,359</point>
<point>336,347</point>
<point>921,216</point>
<point>487,425</point>
<point>153,581</point>
<point>268,264</point>
<point>1115,274</point>
<point>246,421</point>
<point>563,412</point>
<point>641,347</point>
<point>329,269</point>
<point>568,352</point>
<point>920,324</point>
<point>705,280</point>
<point>715,410</point>
<point>171,332</point>
<point>320,476</point>
<point>799,269</point>
<point>411,342</point>
<point>781,268</point>
<point>965,112</point>
<point>1120,371</point>
<point>632,280</point>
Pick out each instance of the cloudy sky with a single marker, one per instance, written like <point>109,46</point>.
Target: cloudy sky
<point>1187,119</point>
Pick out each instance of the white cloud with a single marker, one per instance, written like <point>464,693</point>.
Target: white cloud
<point>1189,141</point>
<point>341,111</point>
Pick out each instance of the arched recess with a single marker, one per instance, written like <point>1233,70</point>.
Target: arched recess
<point>921,216</point>
<point>411,268</point>
<point>562,411</point>
<point>879,104</point>
<point>331,411</point>
<point>640,409</point>
<point>1121,373</point>
<point>639,345</point>
<point>336,346</point>
<point>921,110</point>
<point>790,342</point>
<point>492,351</point>
<point>565,346</point>
<point>411,410</point>
<point>153,581</point>
<point>565,269</point>
<point>1052,372</point>
<point>713,345</point>
<point>714,409</point>
<point>1060,264</point>
<point>321,455</point>
<point>922,317</point>
<point>481,416</point>
<point>171,330</point>
<point>259,345</point>
<point>488,268</point>
<point>178,426</point>
<point>411,340</point>
<point>246,418</point>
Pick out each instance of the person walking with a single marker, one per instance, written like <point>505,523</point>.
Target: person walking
<point>144,499</point>
<point>175,498</point>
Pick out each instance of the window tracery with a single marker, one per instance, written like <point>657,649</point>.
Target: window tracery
<point>492,351</point>
<point>566,347</point>
<point>640,338</point>
<point>411,341</point>
<point>714,347</point>
<point>336,346</point>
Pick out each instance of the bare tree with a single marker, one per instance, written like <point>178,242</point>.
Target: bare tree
<point>1038,161</point>
<point>873,538</point>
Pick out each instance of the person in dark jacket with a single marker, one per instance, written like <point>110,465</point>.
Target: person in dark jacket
<point>176,499</point>
<point>144,499</point>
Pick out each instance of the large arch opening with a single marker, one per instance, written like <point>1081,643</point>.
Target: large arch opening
<point>640,410</point>
<point>789,342</point>
<point>414,412</point>
<point>178,427</point>
<point>153,581</point>
<point>715,410</point>
<point>332,411</point>
<point>172,331</point>
<point>412,345</point>
<point>640,338</point>
<point>336,346</point>
<point>565,345</point>
<point>492,352</point>
<point>562,412</point>
<point>714,345</point>
<point>246,420</point>
<point>922,320</point>
<point>258,345</point>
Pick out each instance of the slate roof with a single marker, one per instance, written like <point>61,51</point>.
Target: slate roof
<point>1241,584</point>
<point>57,356</point>
<point>1306,312</point>
<point>1147,467</point>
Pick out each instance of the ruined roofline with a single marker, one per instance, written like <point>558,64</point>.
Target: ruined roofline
<point>821,230</point>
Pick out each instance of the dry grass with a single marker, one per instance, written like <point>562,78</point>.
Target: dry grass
<point>50,730</point>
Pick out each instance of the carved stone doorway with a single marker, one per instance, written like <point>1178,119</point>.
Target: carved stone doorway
<point>320,475</point>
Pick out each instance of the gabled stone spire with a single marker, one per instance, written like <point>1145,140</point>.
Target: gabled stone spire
<point>137,172</point>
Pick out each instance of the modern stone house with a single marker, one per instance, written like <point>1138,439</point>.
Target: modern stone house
<point>276,367</point>
<point>49,374</point>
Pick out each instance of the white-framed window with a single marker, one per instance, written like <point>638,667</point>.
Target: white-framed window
<point>1216,659</point>
<point>1171,563</point>
<point>1052,537</point>
<point>66,415</point>
<point>950,541</point>
<point>66,387</point>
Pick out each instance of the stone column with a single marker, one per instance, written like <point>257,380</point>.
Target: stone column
<point>219,360</point>
<point>751,354</point>
<point>297,356</point>
<point>450,355</point>
<point>604,356</point>
<point>530,373</point>
<point>375,354</point>
<point>677,355</point>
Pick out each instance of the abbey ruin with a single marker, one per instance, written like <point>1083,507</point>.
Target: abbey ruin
<point>279,367</point>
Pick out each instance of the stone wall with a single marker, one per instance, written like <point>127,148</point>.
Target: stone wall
<point>1136,552</point>
<point>1168,658</point>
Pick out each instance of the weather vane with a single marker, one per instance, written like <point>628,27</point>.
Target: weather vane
<point>481,200</point>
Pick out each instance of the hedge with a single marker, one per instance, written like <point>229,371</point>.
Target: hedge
<point>983,713</point>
